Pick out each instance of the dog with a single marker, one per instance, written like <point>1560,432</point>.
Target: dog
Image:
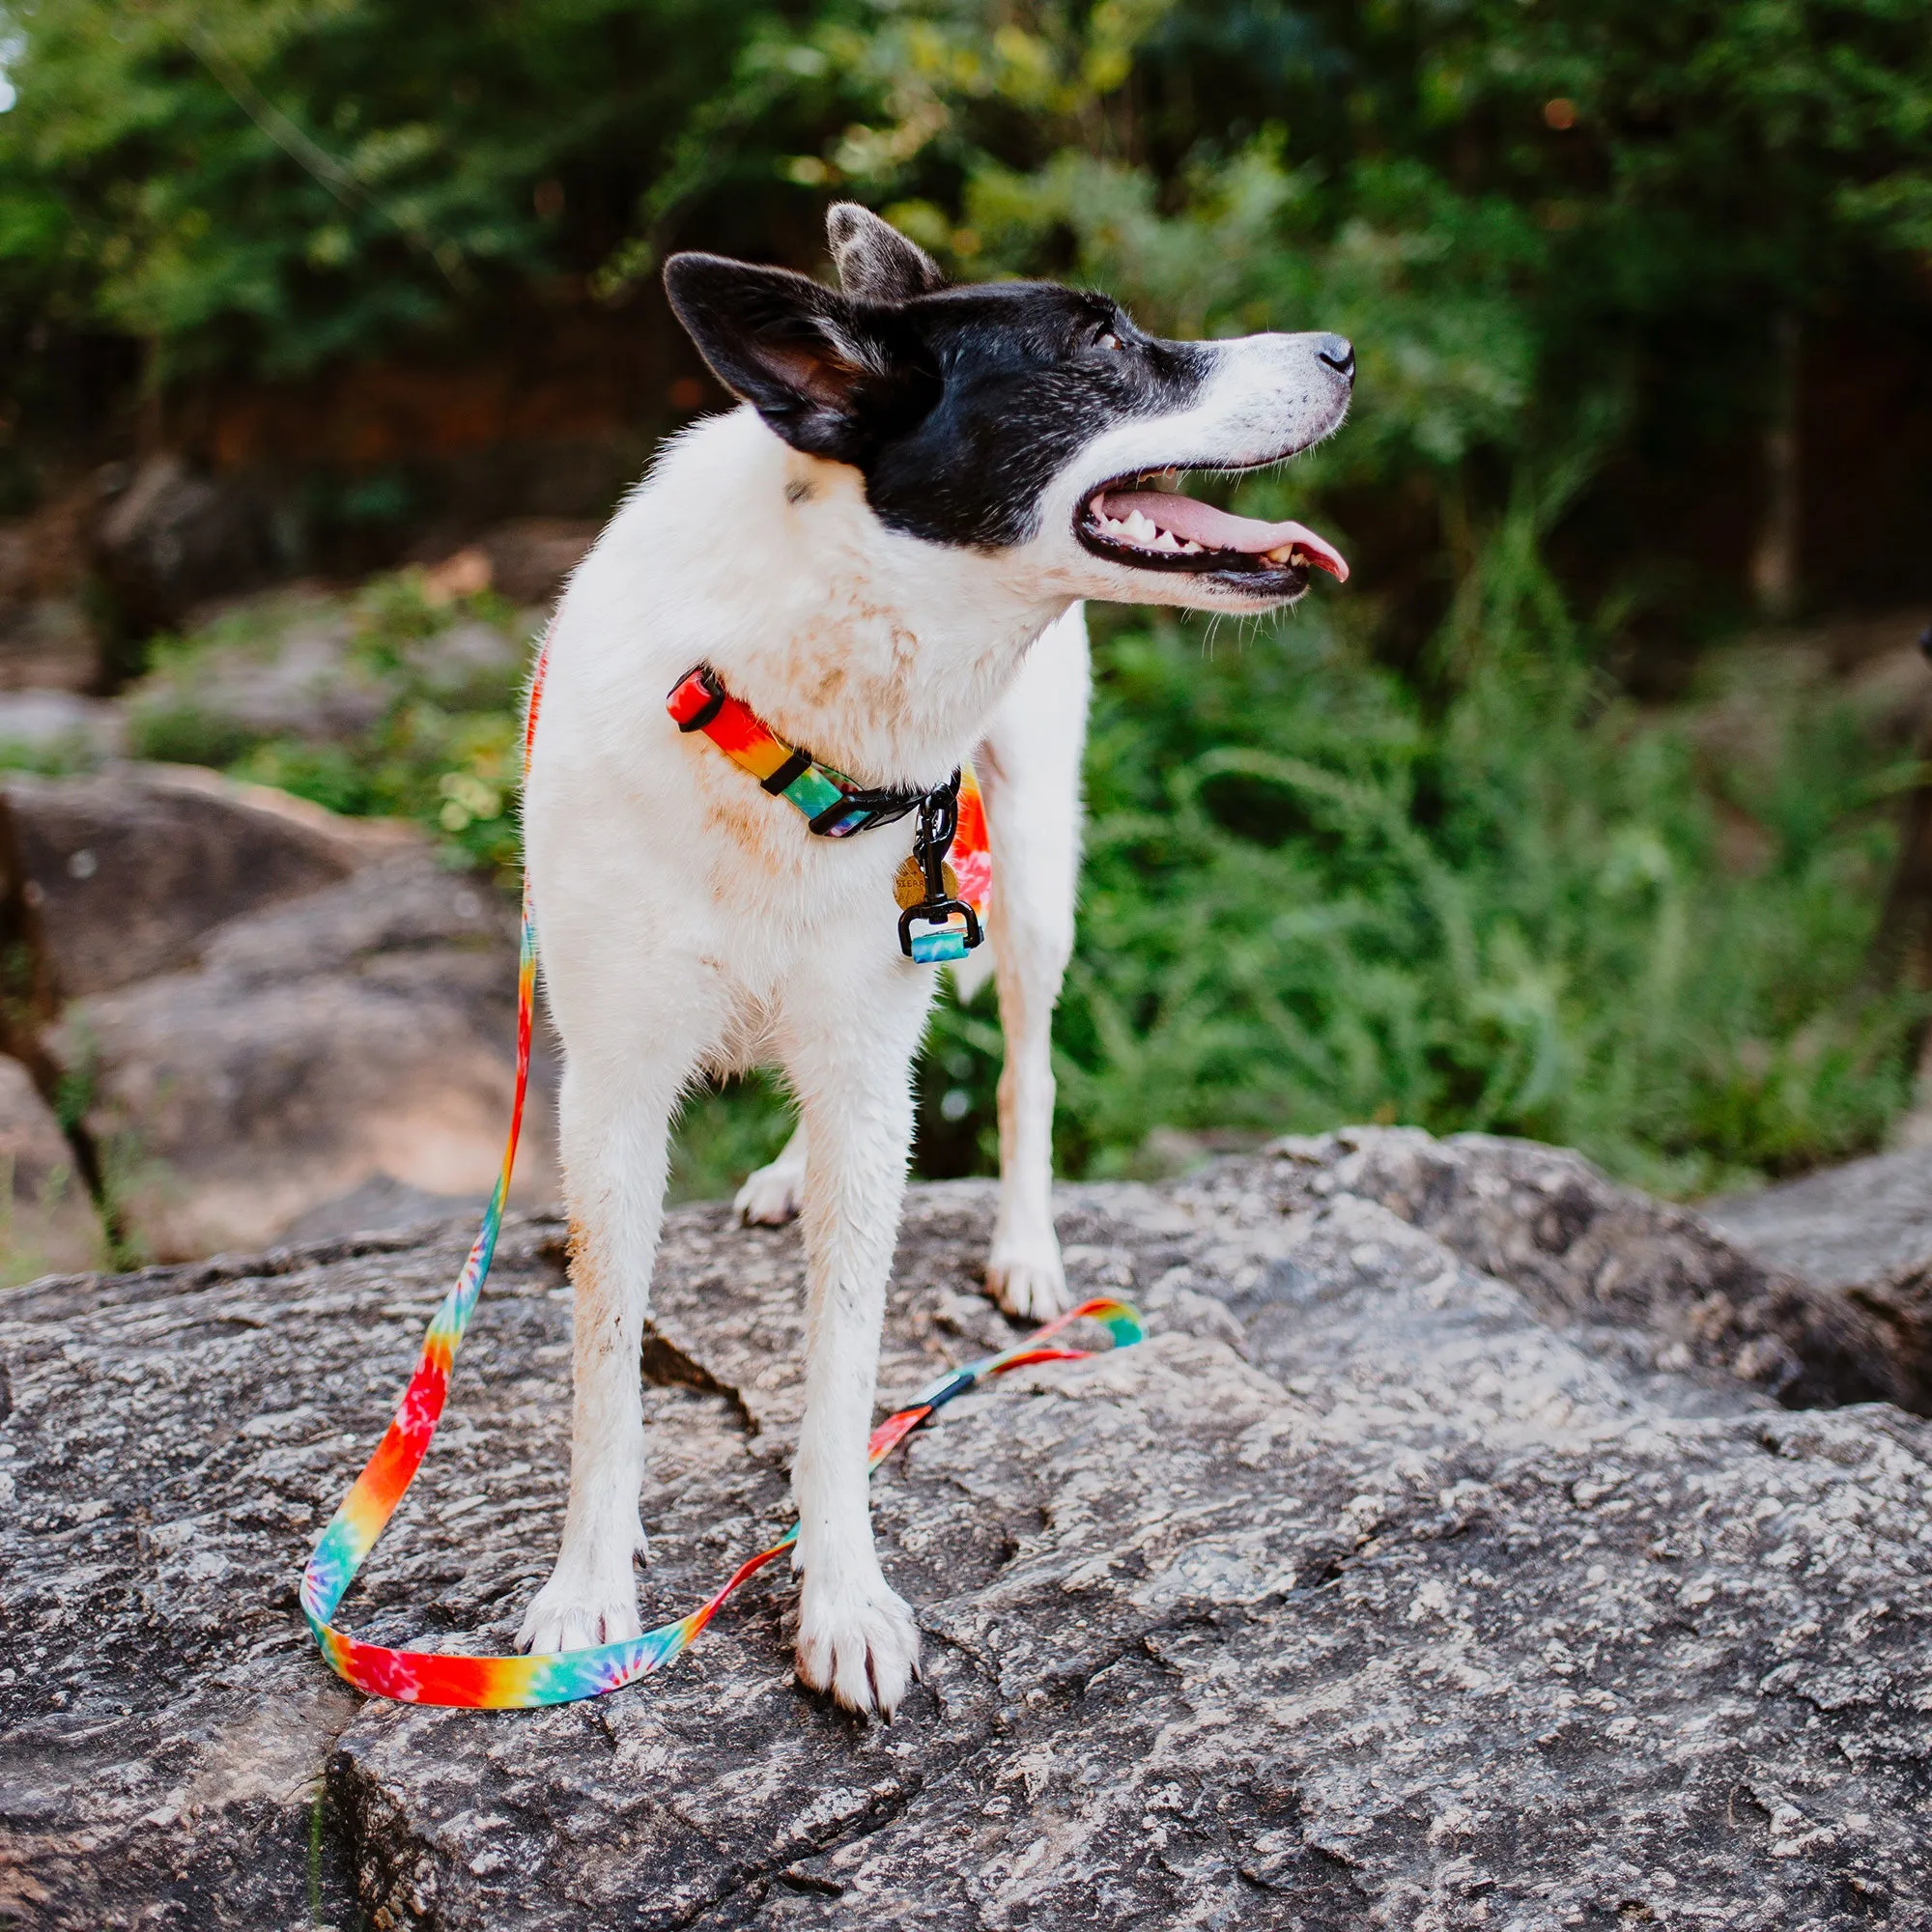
<point>881,552</point>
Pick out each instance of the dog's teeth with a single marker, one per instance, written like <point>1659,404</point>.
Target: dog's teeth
<point>1139,528</point>
<point>1192,547</point>
<point>1166,540</point>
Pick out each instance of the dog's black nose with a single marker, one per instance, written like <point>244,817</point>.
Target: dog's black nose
<point>1339,353</point>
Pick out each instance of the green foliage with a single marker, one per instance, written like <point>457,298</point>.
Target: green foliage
<point>443,746</point>
<point>1309,900</point>
<point>724,1132</point>
<point>271,184</point>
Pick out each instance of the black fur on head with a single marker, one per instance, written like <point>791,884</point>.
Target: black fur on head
<point>958,405</point>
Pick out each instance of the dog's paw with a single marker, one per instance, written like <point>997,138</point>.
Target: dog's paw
<point>770,1196</point>
<point>577,1611</point>
<point>860,1644</point>
<point>1031,1287</point>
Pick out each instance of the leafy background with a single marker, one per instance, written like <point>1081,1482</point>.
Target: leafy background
<point>1534,829</point>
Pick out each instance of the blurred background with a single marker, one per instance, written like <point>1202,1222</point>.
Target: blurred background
<point>1595,809</point>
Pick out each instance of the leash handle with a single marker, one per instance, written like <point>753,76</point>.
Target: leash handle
<point>556,1677</point>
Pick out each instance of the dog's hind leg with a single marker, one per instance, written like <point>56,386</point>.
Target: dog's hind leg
<point>614,1118</point>
<point>772,1194</point>
<point>1028,768</point>
<point>852,1024</point>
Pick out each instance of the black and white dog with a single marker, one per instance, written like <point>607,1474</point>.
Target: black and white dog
<point>882,555</point>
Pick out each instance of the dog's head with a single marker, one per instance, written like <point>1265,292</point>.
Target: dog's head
<point>1023,417</point>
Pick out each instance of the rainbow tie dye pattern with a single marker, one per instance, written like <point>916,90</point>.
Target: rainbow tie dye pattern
<point>560,1677</point>
<point>834,805</point>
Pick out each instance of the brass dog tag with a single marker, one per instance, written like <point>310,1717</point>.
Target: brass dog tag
<point>909,883</point>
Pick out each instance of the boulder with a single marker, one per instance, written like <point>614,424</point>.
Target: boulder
<point>51,1223</point>
<point>359,1032</point>
<point>289,665</point>
<point>1839,1227</point>
<point>1612,1259</point>
<point>280,665</point>
<point>1371,1590</point>
<point>122,874</point>
<point>62,724</point>
<point>1863,1231</point>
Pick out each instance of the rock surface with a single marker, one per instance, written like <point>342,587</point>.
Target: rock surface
<point>122,873</point>
<point>64,724</point>
<point>1586,1250</point>
<point>359,1032</point>
<point>1839,1227</point>
<point>1863,1230</point>
<point>255,1008</point>
<point>1370,1591</point>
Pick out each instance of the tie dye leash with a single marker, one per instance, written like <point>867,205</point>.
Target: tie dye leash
<point>560,1677</point>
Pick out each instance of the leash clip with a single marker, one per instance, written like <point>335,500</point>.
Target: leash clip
<point>938,821</point>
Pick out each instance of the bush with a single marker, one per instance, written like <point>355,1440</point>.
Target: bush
<point>1310,898</point>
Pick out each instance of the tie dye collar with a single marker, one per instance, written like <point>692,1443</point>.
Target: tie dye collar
<point>835,806</point>
<point>951,839</point>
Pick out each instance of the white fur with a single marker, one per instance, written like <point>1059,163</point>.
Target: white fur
<point>690,923</point>
<point>1029,766</point>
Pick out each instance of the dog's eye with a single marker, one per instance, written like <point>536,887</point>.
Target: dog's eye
<point>1107,339</point>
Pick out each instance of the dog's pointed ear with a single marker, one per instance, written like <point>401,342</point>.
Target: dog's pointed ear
<point>794,351</point>
<point>875,262</point>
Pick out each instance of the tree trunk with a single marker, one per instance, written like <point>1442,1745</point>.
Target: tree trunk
<point>1774,568</point>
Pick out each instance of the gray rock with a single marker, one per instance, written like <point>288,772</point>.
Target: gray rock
<point>381,1204</point>
<point>1370,1591</point>
<point>1654,1279</point>
<point>1840,1227</point>
<point>1864,1231</point>
<point>361,1032</point>
<point>62,722</point>
<point>123,874</point>
<point>281,666</point>
<point>289,663</point>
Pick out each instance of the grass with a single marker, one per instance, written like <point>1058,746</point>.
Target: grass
<point>1316,893</point>
<point>440,749</point>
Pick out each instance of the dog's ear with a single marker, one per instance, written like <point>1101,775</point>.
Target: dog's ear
<point>793,350</point>
<point>875,262</point>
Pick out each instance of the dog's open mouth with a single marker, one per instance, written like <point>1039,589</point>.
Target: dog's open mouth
<point>1137,523</point>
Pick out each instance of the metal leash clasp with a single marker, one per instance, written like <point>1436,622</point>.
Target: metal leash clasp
<point>946,938</point>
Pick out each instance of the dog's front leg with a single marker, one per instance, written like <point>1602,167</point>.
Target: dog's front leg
<point>852,1033</point>
<point>614,1122</point>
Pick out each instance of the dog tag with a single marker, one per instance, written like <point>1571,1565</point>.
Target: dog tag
<point>909,883</point>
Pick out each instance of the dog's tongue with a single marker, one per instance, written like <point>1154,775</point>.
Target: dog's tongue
<point>1192,521</point>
